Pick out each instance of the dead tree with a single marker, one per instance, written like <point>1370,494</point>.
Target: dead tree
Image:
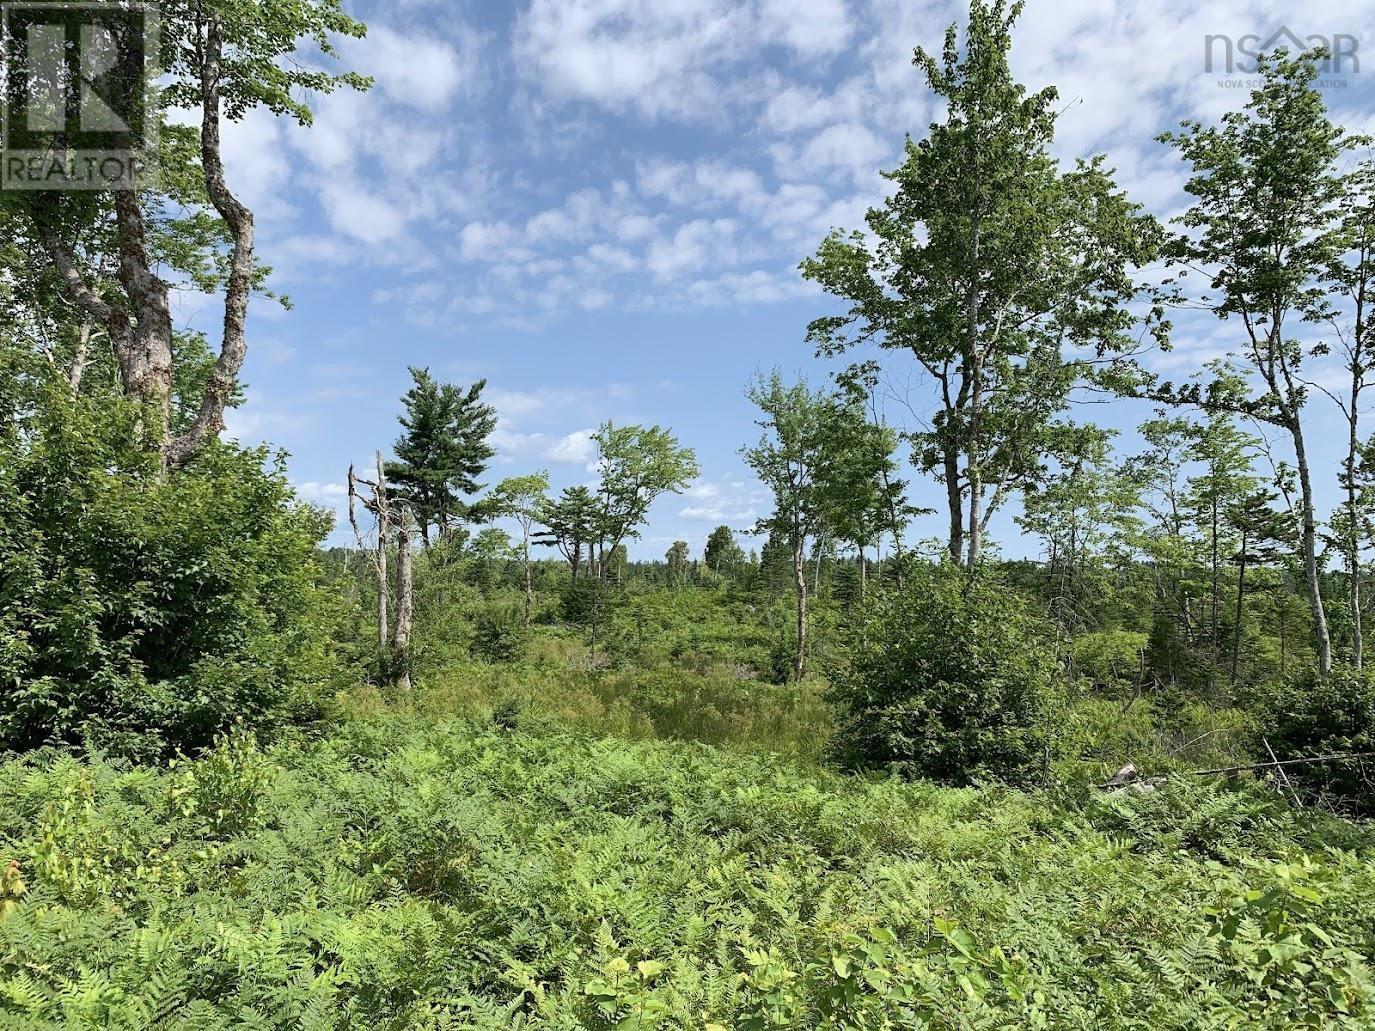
<point>393,526</point>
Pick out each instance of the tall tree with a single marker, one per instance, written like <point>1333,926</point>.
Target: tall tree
<point>522,498</point>
<point>1226,456</point>
<point>984,264</point>
<point>443,450</point>
<point>220,59</point>
<point>1262,535</point>
<point>1351,278</point>
<point>635,465</point>
<point>1262,234</point>
<point>788,460</point>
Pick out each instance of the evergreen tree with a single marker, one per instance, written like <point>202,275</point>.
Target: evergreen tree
<point>443,451</point>
<point>570,525</point>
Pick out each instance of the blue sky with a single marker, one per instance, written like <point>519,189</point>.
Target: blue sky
<point>599,206</point>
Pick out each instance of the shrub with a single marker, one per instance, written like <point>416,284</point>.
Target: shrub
<point>499,637</point>
<point>947,679</point>
<point>143,613</point>
<point>1312,716</point>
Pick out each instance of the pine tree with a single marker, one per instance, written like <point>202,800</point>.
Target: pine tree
<point>570,525</point>
<point>442,453</point>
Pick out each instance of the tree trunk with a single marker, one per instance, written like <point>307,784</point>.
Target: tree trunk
<point>1353,553</point>
<point>863,574</point>
<point>974,359</point>
<point>954,504</point>
<point>800,579</point>
<point>1310,553</point>
<point>146,361</point>
<point>1241,610</point>
<point>383,579</point>
<point>1212,673</point>
<point>405,604</point>
<point>529,589</point>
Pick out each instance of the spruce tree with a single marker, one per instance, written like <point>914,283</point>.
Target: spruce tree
<point>444,449</point>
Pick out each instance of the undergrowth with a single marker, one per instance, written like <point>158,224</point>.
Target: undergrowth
<point>422,873</point>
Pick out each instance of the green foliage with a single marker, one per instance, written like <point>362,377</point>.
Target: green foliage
<point>443,451</point>
<point>949,679</point>
<point>499,636</point>
<point>462,874</point>
<point>1322,716</point>
<point>144,614</point>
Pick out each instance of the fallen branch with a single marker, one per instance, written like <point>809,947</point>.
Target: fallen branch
<point>1286,762</point>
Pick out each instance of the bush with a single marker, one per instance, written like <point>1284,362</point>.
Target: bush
<point>947,679</point>
<point>499,637</point>
<point>1312,716</point>
<point>145,614</point>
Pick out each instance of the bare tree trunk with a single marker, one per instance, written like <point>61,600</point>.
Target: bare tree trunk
<point>405,604</point>
<point>1353,553</point>
<point>800,580</point>
<point>83,344</point>
<point>146,362</point>
<point>377,555</point>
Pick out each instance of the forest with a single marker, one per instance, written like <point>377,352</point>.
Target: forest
<point>464,757</point>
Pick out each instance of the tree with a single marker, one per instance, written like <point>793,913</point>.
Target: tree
<point>522,498</point>
<point>1262,532</point>
<point>570,525</point>
<point>219,59</point>
<point>1076,509</point>
<point>788,460</point>
<point>1228,477</point>
<point>635,465</point>
<point>678,558</point>
<point>1263,233</point>
<point>861,497</point>
<point>443,451</point>
<point>985,263</point>
<point>1351,277</point>
<point>722,554</point>
<point>392,528</point>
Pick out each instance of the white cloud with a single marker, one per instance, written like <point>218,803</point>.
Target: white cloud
<point>577,447</point>
<point>417,70</point>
